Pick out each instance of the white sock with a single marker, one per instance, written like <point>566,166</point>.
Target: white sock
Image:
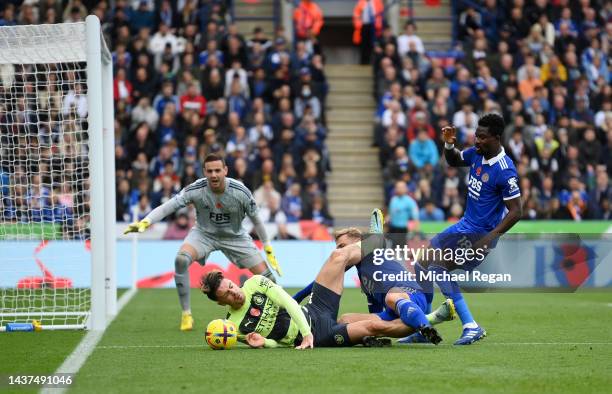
<point>187,312</point>
<point>470,325</point>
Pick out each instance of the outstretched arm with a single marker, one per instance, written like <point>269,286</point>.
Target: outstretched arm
<point>257,341</point>
<point>452,154</point>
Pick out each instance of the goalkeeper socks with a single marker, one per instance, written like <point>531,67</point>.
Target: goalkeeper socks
<point>305,292</point>
<point>410,313</point>
<point>451,290</point>
<point>181,278</point>
<point>182,287</point>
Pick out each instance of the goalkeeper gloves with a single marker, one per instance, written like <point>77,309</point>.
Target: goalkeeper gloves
<point>139,227</point>
<point>272,259</point>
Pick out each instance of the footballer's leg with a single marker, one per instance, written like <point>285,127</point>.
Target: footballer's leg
<point>195,247</point>
<point>445,312</point>
<point>186,255</point>
<point>244,254</point>
<point>331,275</point>
<point>355,317</point>
<point>408,307</point>
<point>358,331</point>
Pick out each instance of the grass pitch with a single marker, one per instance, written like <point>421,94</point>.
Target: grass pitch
<point>545,342</point>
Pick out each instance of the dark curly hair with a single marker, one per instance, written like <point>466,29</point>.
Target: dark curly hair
<point>493,122</point>
<point>209,283</point>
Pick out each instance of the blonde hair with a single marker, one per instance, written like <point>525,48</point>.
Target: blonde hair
<point>352,232</point>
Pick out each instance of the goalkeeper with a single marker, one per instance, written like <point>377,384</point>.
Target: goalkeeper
<point>268,317</point>
<point>221,204</point>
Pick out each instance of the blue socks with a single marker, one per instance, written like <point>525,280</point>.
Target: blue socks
<point>305,292</point>
<point>451,290</point>
<point>410,313</point>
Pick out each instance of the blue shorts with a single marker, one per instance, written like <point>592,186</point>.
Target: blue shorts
<point>389,314</point>
<point>459,236</point>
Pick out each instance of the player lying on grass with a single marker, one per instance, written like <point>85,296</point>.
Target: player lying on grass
<point>268,316</point>
<point>493,206</point>
<point>221,204</point>
<point>387,299</point>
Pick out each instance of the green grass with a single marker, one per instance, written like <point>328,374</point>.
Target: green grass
<point>143,350</point>
<point>38,353</point>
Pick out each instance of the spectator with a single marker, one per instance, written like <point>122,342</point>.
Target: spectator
<point>292,203</point>
<point>409,37</point>
<point>403,213</point>
<point>307,19</point>
<point>600,196</point>
<point>141,209</point>
<point>318,212</point>
<point>166,96</point>
<point>431,213</point>
<point>122,88</point>
<point>144,112</point>
<point>368,20</point>
<point>307,103</point>
<point>423,150</point>
<point>590,149</point>
<point>192,100</point>
<point>178,228</point>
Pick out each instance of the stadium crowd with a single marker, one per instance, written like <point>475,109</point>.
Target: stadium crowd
<point>544,65</point>
<point>187,84</point>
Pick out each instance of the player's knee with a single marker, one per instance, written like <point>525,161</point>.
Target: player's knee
<point>393,297</point>
<point>182,262</point>
<point>338,256</point>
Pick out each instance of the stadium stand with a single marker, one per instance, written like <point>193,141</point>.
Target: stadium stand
<point>187,83</point>
<point>545,65</point>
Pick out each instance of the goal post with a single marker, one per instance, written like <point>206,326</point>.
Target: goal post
<point>57,170</point>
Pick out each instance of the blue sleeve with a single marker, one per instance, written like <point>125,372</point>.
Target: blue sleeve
<point>305,292</point>
<point>468,155</point>
<point>508,183</point>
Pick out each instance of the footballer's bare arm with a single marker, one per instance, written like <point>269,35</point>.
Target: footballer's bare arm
<point>452,154</point>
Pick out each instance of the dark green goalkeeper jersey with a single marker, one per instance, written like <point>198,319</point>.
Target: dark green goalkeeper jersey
<point>271,312</point>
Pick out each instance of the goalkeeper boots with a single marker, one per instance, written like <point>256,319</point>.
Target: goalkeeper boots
<point>471,335</point>
<point>186,322</point>
<point>377,222</point>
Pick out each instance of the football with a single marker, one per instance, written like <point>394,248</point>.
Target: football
<point>221,334</point>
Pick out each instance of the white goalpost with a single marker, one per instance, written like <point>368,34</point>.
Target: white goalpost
<point>57,177</point>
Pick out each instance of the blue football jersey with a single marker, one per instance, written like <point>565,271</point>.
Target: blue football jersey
<point>490,183</point>
<point>375,288</point>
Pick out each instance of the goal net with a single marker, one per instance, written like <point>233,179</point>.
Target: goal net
<point>49,133</point>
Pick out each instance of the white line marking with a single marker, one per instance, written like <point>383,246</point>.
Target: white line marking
<point>79,355</point>
<point>149,346</point>
<point>548,343</point>
<point>122,347</point>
